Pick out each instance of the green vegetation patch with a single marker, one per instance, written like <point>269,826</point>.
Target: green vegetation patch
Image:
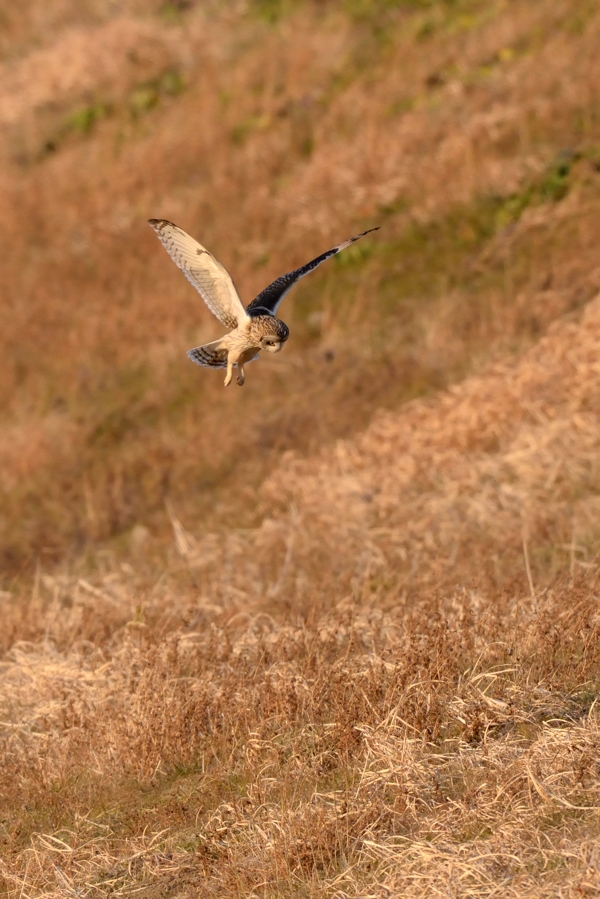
<point>83,120</point>
<point>148,95</point>
<point>144,97</point>
<point>272,11</point>
<point>425,254</point>
<point>172,11</point>
<point>240,132</point>
<point>553,185</point>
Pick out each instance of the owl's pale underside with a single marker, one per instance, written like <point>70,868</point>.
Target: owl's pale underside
<point>253,328</point>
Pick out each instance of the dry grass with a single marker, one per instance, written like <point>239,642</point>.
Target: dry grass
<point>279,730</point>
<point>376,675</point>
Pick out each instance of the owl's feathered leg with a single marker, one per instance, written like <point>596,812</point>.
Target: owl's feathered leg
<point>235,357</point>
<point>247,356</point>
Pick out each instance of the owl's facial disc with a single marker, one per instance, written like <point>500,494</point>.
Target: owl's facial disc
<point>271,344</point>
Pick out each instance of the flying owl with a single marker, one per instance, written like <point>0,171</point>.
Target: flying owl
<point>254,328</point>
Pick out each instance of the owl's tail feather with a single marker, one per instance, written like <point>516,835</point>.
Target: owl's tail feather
<point>212,355</point>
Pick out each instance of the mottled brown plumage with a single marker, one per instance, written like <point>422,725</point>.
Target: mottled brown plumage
<point>260,332</point>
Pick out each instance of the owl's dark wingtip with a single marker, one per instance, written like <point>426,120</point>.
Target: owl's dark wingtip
<point>368,231</point>
<point>159,223</point>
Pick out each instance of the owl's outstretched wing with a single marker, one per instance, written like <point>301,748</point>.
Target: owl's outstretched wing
<point>268,300</point>
<point>209,277</point>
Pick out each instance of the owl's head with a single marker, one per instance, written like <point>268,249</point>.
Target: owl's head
<point>274,334</point>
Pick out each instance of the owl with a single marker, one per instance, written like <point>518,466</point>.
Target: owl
<point>253,328</point>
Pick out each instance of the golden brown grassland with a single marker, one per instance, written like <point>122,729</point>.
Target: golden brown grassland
<point>334,634</point>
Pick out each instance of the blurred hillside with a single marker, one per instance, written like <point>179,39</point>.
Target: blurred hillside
<point>334,634</point>
<point>468,131</point>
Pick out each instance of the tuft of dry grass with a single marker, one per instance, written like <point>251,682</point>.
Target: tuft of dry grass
<point>339,748</point>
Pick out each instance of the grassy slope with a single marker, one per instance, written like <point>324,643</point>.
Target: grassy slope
<point>388,681</point>
<point>435,124</point>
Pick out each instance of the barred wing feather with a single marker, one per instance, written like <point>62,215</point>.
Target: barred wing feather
<point>208,276</point>
<point>211,355</point>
